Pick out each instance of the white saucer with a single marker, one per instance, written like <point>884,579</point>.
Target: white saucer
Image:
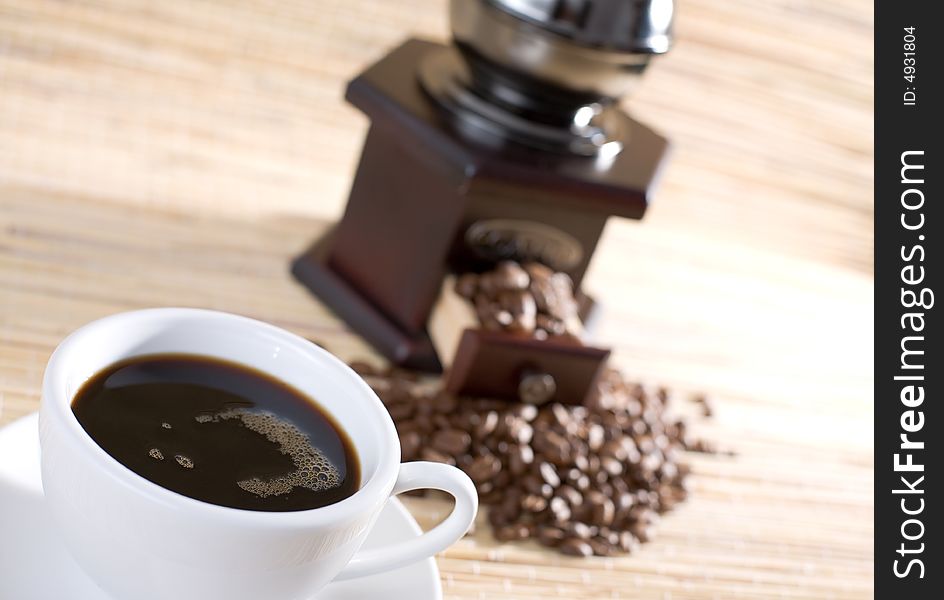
<point>35,566</point>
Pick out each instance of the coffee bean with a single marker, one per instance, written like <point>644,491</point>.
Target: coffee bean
<point>538,271</point>
<point>646,515</point>
<point>554,296</point>
<point>467,285</point>
<point>562,281</point>
<point>487,424</point>
<point>614,449</point>
<point>519,458</point>
<point>667,498</point>
<point>559,509</point>
<point>562,416</point>
<point>595,436</point>
<point>549,474</point>
<point>627,541</point>
<point>579,530</point>
<point>611,537</point>
<point>601,547</point>
<point>581,462</point>
<point>521,431</point>
<point>511,276</point>
<point>576,547</point>
<point>545,297</point>
<point>527,412</point>
<point>483,468</point>
<point>645,444</point>
<point>612,466</point>
<point>668,471</point>
<point>602,508</point>
<point>644,521</point>
<point>619,486</point>
<point>624,502</point>
<point>554,446</point>
<point>571,495</point>
<point>504,318</point>
<point>523,310</point>
<point>582,482</point>
<point>488,285</point>
<point>548,324</point>
<point>641,532</point>
<point>487,312</point>
<point>534,504</point>
<point>550,536</point>
<point>607,489</point>
<point>509,533</point>
<point>451,441</point>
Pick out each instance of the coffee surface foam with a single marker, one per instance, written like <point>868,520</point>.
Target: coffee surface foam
<point>313,470</point>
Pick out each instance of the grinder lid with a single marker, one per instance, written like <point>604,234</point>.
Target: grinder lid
<point>637,26</point>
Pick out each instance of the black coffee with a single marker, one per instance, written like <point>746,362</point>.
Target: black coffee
<point>218,432</point>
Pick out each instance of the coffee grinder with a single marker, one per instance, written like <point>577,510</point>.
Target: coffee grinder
<point>508,143</point>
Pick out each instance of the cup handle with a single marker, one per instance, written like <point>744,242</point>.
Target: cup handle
<point>415,476</point>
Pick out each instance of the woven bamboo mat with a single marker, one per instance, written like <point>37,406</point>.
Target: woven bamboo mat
<point>178,153</point>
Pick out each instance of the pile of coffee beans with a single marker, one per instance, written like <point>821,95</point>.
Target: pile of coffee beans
<point>587,480</point>
<point>528,299</point>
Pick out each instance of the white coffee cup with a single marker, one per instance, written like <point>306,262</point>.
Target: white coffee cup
<point>140,541</point>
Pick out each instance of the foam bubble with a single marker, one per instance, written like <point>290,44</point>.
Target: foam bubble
<point>313,470</point>
<point>183,461</point>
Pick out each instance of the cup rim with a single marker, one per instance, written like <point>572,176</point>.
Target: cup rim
<point>372,493</point>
